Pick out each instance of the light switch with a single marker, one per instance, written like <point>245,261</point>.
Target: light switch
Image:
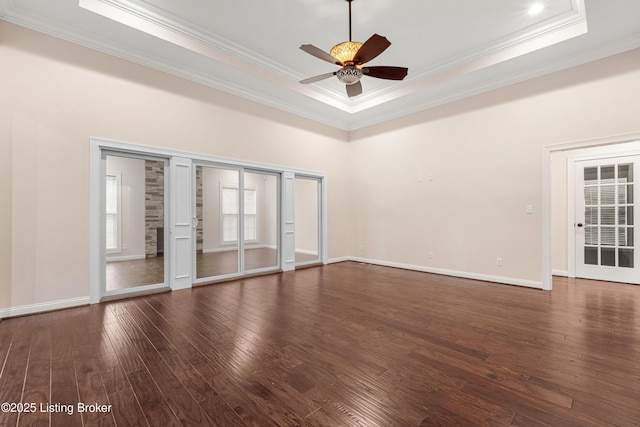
<point>529,209</point>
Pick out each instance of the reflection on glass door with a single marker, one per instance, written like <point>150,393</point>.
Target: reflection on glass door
<point>217,213</point>
<point>260,221</point>
<point>307,220</point>
<point>135,218</point>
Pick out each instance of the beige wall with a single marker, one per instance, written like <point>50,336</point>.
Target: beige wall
<point>484,155</point>
<point>57,95</point>
<point>5,195</point>
<point>458,178</point>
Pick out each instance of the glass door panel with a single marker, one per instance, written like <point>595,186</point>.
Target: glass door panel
<point>605,223</point>
<point>217,226</point>
<point>135,219</point>
<point>307,220</point>
<point>260,222</point>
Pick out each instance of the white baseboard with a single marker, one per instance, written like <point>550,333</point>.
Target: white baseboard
<point>562,273</point>
<point>306,252</point>
<point>235,248</point>
<point>125,258</point>
<point>463,274</point>
<point>44,306</point>
<point>340,259</point>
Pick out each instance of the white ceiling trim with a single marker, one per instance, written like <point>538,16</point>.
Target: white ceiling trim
<point>170,28</point>
<point>498,63</point>
<point>142,20</point>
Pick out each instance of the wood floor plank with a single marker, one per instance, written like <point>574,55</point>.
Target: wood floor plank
<point>12,378</point>
<point>127,410</point>
<point>37,383</point>
<point>64,385</point>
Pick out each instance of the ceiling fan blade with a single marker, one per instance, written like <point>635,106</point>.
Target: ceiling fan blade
<point>317,78</point>
<point>371,48</point>
<point>354,89</point>
<point>389,73</point>
<point>319,53</point>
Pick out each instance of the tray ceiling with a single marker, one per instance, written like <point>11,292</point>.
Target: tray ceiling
<point>453,48</point>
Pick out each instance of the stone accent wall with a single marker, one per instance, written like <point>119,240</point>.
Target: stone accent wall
<point>154,205</point>
<point>199,210</point>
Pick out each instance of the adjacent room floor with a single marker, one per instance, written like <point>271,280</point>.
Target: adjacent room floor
<point>346,344</point>
<point>150,271</point>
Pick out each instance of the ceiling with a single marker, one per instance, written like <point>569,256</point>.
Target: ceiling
<point>453,48</point>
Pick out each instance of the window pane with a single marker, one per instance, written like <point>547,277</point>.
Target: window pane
<point>630,238</point>
<point>629,215</point>
<point>230,228</point>
<point>591,196</point>
<point>250,229</point>
<point>608,236</point>
<point>622,216</point>
<point>591,256</point>
<point>630,194</point>
<point>622,236</point>
<point>591,235</point>
<point>625,173</point>
<point>607,174</point>
<point>607,195</point>
<point>230,201</point>
<point>112,231</point>
<point>622,194</point>
<point>608,257</point>
<point>625,258</point>
<point>591,216</point>
<point>607,216</point>
<point>250,202</point>
<point>591,174</point>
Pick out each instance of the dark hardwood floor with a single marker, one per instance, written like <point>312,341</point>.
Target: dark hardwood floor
<point>346,344</point>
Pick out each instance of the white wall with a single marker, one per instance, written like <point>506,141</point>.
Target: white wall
<point>56,95</point>
<point>484,157</point>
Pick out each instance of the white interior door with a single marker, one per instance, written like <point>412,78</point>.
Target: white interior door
<point>606,218</point>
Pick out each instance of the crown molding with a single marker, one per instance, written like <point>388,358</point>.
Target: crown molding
<point>345,114</point>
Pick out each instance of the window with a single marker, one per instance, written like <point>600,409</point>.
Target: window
<point>113,213</point>
<point>229,214</point>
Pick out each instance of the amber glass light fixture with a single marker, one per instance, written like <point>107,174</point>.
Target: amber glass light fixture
<point>345,51</point>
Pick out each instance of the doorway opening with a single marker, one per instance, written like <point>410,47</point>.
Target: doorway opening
<point>134,223</point>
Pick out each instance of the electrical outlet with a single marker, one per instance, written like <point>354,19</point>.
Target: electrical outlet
<point>430,255</point>
<point>499,262</point>
<point>361,249</point>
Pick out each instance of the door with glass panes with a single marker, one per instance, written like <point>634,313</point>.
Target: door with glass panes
<point>606,219</point>
<point>235,222</point>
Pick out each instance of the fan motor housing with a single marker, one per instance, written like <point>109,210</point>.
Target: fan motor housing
<point>349,74</point>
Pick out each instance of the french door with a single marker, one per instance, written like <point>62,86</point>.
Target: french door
<point>606,219</point>
<point>236,222</point>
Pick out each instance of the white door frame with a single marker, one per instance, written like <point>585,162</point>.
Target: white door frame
<point>547,283</point>
<point>96,182</point>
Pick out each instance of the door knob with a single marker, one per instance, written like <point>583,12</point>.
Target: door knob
<point>579,224</point>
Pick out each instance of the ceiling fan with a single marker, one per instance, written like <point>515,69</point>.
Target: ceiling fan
<point>351,57</point>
